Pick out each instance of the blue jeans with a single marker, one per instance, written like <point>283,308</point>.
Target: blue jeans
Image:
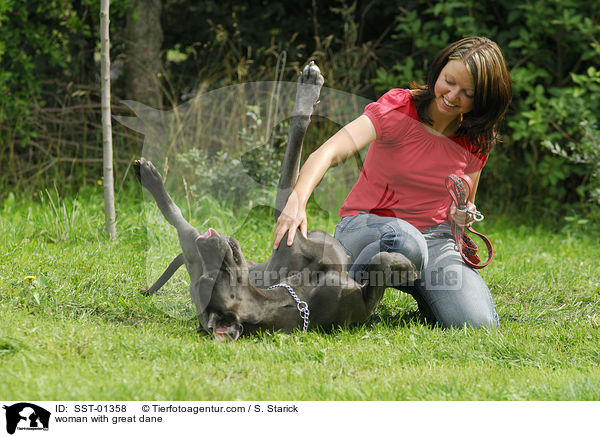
<point>447,291</point>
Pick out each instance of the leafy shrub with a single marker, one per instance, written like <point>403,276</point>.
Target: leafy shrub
<point>47,63</point>
<point>34,42</point>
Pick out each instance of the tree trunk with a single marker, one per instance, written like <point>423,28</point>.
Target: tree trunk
<point>107,150</point>
<point>144,39</point>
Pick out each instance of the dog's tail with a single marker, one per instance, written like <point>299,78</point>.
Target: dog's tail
<point>170,271</point>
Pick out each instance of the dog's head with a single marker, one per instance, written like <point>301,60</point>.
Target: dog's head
<point>224,285</point>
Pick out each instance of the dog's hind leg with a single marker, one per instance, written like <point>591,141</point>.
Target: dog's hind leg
<point>386,269</point>
<point>150,179</point>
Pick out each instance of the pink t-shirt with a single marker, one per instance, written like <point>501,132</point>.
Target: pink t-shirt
<point>406,166</point>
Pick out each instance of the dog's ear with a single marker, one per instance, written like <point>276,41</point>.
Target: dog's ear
<point>201,291</point>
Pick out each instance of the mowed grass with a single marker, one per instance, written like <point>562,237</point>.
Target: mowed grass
<point>75,327</point>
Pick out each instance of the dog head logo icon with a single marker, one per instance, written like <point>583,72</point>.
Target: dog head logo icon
<point>26,416</point>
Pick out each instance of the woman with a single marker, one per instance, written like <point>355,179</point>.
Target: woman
<point>400,202</point>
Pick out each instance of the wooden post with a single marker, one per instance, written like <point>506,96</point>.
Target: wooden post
<point>107,149</point>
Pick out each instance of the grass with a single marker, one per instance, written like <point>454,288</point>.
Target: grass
<point>74,325</point>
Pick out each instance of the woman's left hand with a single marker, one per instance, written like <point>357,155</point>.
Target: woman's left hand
<point>462,218</point>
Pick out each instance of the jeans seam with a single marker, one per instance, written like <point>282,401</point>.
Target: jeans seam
<point>347,251</point>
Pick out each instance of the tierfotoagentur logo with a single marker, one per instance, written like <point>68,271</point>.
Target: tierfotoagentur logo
<point>26,417</point>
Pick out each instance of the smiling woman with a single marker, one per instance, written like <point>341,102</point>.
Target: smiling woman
<point>453,94</point>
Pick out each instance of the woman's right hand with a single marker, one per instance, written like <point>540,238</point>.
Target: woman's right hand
<point>291,218</point>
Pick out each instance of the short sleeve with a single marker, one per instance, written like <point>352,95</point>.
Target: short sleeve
<point>475,162</point>
<point>389,114</point>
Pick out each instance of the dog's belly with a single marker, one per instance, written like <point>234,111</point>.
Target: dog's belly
<point>328,252</point>
<point>320,252</point>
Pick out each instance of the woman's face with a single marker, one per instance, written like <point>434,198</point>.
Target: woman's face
<point>454,90</point>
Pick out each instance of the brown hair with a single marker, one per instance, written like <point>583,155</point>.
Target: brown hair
<point>485,62</point>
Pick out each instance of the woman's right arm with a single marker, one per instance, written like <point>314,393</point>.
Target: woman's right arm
<point>345,143</point>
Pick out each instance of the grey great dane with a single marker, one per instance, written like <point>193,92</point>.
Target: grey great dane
<point>305,285</point>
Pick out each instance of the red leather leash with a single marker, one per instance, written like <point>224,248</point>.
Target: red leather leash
<point>460,188</point>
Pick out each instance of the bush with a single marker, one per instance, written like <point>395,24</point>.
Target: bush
<point>49,94</point>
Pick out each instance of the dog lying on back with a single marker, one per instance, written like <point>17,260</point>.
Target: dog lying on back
<point>305,285</point>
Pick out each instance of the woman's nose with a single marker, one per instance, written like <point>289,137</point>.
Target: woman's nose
<point>452,95</point>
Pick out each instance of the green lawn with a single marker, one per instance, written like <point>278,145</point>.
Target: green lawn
<point>75,327</point>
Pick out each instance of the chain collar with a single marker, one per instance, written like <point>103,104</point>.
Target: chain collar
<point>301,305</point>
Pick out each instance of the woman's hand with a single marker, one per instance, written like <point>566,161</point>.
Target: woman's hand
<point>291,218</point>
<point>462,218</point>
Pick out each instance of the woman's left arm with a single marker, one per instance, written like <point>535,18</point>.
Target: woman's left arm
<point>475,179</point>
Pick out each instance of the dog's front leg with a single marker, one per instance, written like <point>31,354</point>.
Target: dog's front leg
<point>307,95</point>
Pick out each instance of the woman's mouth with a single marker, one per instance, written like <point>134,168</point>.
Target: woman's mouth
<point>448,104</point>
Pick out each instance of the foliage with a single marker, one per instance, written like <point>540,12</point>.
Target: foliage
<point>209,43</point>
<point>229,178</point>
<point>47,63</point>
<point>34,43</point>
<point>546,165</point>
<point>576,137</point>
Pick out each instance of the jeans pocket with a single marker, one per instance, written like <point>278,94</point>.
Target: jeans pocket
<point>349,223</point>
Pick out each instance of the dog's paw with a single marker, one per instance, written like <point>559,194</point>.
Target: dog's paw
<point>311,75</point>
<point>146,292</point>
<point>309,88</point>
<point>398,270</point>
<point>402,270</point>
<point>146,173</point>
<point>136,170</point>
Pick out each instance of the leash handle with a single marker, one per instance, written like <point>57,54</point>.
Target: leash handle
<point>460,188</point>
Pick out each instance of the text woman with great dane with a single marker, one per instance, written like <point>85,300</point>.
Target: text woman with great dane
<point>400,203</point>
